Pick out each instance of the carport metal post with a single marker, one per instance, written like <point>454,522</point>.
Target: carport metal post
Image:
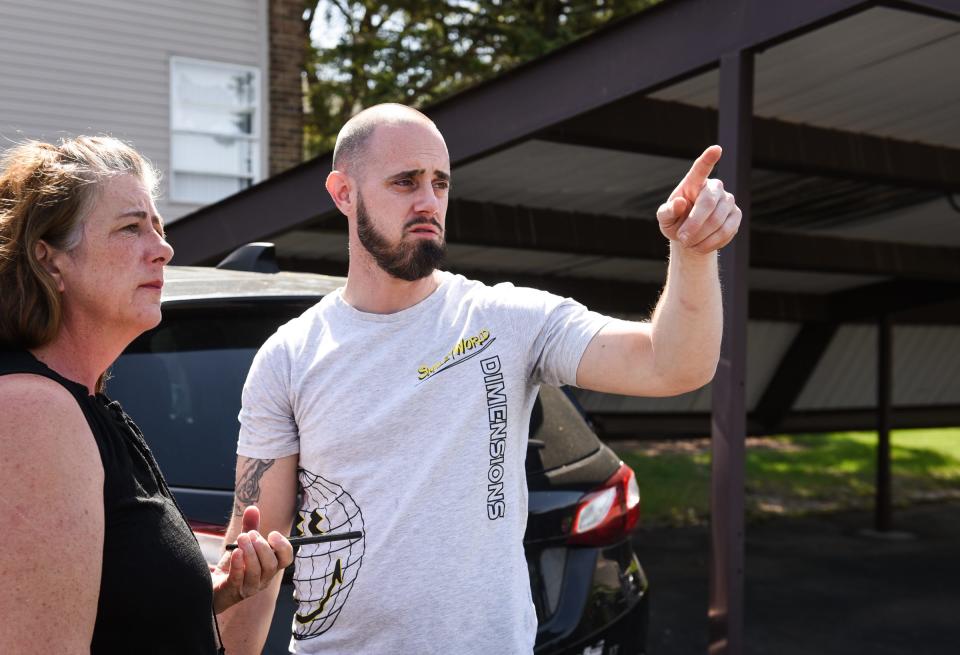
<point>883,519</point>
<point>729,421</point>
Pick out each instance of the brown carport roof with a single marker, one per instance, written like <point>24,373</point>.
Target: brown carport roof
<point>672,41</point>
<point>822,270</point>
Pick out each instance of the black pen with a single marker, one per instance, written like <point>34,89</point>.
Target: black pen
<point>316,539</point>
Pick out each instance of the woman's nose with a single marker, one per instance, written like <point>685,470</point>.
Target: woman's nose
<point>163,251</point>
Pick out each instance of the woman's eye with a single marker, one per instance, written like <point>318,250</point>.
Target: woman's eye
<point>133,227</point>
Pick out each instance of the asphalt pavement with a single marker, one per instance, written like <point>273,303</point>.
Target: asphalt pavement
<point>817,585</point>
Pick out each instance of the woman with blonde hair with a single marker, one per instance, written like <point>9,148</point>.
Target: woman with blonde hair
<point>99,557</point>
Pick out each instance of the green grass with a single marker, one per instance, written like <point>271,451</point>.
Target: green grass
<point>797,474</point>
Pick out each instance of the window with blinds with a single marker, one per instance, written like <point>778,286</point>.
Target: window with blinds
<point>215,132</point>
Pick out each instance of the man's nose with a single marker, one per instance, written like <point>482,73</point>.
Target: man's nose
<point>427,201</point>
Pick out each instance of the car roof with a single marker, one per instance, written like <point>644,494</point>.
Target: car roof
<point>194,282</point>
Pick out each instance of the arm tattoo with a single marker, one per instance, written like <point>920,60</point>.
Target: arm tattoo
<point>248,483</point>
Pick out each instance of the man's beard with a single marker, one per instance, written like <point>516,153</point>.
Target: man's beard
<point>407,260</point>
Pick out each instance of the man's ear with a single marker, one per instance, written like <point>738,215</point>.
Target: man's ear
<point>340,187</point>
<point>45,254</point>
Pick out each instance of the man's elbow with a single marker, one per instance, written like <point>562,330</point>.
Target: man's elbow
<point>684,381</point>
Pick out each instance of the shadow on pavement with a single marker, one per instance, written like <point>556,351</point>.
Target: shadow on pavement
<point>817,585</point>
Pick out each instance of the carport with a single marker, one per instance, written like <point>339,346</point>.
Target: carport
<point>841,133</point>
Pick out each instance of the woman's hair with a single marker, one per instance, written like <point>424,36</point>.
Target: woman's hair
<point>46,192</point>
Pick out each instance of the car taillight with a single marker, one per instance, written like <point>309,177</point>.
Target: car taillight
<point>210,538</point>
<point>607,514</point>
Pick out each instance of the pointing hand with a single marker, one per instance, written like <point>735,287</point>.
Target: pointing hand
<point>699,214</point>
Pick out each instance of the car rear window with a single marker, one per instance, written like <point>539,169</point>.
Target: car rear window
<point>559,433</point>
<point>181,383</point>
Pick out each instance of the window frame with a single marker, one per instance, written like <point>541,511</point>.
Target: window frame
<point>174,194</point>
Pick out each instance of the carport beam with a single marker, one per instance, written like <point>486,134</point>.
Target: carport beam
<point>729,424</point>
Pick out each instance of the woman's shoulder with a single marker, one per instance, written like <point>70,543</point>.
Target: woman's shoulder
<point>27,390</point>
<point>42,416</point>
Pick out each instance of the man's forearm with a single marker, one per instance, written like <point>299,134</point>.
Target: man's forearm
<point>688,321</point>
<point>244,627</point>
<point>678,350</point>
<point>271,485</point>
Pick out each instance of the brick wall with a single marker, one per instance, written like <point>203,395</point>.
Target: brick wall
<point>287,58</point>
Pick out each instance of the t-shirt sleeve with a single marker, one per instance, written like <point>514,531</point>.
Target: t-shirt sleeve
<point>567,329</point>
<point>268,429</point>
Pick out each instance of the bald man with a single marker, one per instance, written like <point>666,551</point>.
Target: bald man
<point>398,407</point>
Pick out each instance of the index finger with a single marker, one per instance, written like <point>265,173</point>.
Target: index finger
<point>237,568</point>
<point>251,566</point>
<point>281,546</point>
<point>697,176</point>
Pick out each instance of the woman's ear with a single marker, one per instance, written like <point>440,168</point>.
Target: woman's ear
<point>45,254</point>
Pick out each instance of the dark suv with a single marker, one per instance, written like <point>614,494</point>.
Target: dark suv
<point>181,382</point>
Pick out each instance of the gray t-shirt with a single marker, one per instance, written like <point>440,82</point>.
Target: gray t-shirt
<point>412,428</point>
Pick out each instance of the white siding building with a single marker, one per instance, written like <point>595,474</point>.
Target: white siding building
<point>184,81</point>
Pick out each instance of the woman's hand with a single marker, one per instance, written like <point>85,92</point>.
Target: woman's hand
<point>243,572</point>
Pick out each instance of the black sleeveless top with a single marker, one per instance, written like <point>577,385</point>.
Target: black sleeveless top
<point>155,590</point>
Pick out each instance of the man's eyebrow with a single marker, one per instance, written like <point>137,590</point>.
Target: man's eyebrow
<point>414,172</point>
<point>417,172</point>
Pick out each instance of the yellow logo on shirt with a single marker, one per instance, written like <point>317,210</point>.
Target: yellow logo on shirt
<point>463,350</point>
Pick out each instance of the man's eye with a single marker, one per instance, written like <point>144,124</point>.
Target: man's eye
<point>404,182</point>
<point>441,184</point>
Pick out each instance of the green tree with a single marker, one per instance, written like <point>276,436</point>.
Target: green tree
<point>418,51</point>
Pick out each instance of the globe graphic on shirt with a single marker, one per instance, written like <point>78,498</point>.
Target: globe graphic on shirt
<point>324,573</point>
